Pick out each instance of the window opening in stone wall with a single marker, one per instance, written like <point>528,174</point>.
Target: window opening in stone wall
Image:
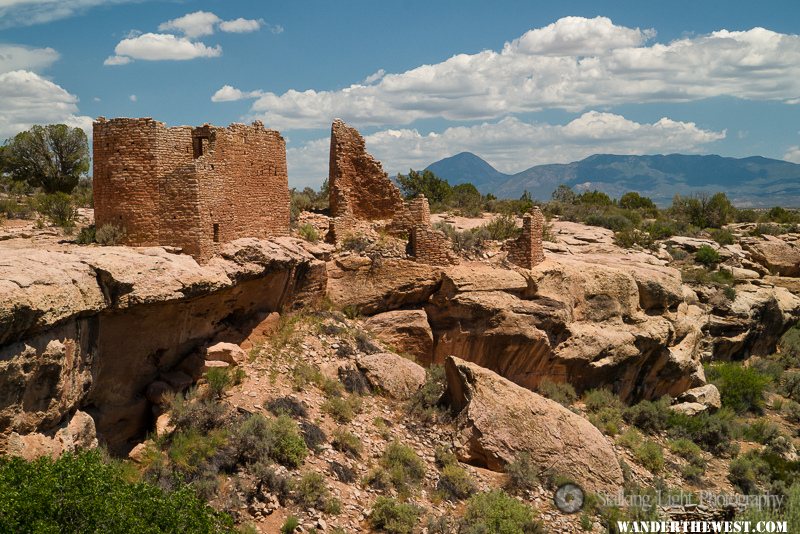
<point>216,233</point>
<point>197,146</point>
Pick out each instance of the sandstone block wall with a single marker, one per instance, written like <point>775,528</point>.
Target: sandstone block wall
<point>526,251</point>
<point>193,188</point>
<point>431,246</point>
<point>415,212</point>
<point>359,187</point>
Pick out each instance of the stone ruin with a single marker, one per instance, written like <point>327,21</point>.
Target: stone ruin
<point>526,251</point>
<point>193,188</point>
<point>196,188</point>
<point>360,190</point>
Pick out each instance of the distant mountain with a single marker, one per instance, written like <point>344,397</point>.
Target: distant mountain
<point>753,181</point>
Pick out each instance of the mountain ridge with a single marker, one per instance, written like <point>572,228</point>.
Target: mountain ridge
<point>750,181</point>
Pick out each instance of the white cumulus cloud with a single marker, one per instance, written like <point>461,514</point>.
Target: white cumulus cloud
<point>241,25</point>
<point>792,154</point>
<point>26,99</point>
<point>160,46</point>
<point>573,64</point>
<point>228,93</point>
<point>197,24</point>
<point>512,145</point>
<point>14,57</point>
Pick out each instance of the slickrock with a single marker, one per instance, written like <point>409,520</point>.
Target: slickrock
<point>497,420</point>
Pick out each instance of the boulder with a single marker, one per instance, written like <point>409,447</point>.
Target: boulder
<point>707,395</point>
<point>391,374</point>
<point>497,420</point>
<point>406,331</point>
<point>777,255</point>
<point>226,352</point>
<point>373,287</point>
<point>689,408</point>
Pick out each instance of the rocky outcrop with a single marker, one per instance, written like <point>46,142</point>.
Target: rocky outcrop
<point>78,434</point>
<point>373,286</point>
<point>405,331</point>
<point>777,255</point>
<point>572,320</point>
<point>93,327</point>
<point>752,324</point>
<point>497,420</point>
<point>391,374</point>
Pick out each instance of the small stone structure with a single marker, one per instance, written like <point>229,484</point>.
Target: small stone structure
<point>526,251</point>
<point>431,246</point>
<point>193,188</point>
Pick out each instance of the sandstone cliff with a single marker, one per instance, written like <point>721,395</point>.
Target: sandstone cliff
<point>92,327</point>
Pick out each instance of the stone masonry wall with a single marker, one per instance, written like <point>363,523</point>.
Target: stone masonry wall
<point>358,184</point>
<point>415,212</point>
<point>431,246</point>
<point>193,188</point>
<point>526,251</point>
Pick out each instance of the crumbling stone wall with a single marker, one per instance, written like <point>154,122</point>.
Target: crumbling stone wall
<point>526,251</point>
<point>359,187</point>
<point>193,188</point>
<point>415,212</point>
<point>431,246</point>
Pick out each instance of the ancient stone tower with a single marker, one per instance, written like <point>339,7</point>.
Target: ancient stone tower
<point>527,251</point>
<point>359,187</point>
<point>193,188</point>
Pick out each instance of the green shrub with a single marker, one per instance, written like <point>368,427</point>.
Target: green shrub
<point>308,232</point>
<point>444,456</point>
<point>791,410</point>
<point>342,409</point>
<point>790,384</point>
<point>499,513</point>
<point>109,235</point>
<point>346,442</point>
<point>650,455</point>
<point>649,416</point>
<point>455,483</point>
<point>394,517</point>
<point>58,208</point>
<point>523,473</point>
<point>502,227</point>
<point>199,414</point>
<point>723,236</point>
<point>311,491</point>
<point>689,451</point>
<point>290,525</point>
<point>304,374</point>
<point>712,432</point>
<point>789,347</point>
<point>189,449</point>
<point>741,388</point>
<point>631,439</point>
<point>286,446</point>
<point>252,440</point>
<point>707,256</point>
<point>86,236</point>
<point>425,402</point>
<point>561,392</point>
<point>608,420</point>
<point>761,430</point>
<point>403,466</point>
<point>219,380</point>
<point>789,512</point>
<point>747,472</point>
<point>597,399</point>
<point>85,493</point>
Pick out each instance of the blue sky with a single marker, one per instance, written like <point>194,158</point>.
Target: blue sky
<point>518,83</point>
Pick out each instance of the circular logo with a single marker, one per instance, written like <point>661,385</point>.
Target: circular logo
<point>569,498</point>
